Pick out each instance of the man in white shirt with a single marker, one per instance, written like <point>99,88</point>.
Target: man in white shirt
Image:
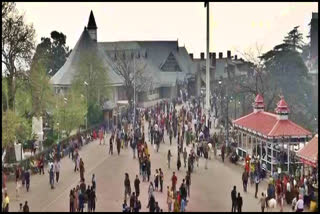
<point>300,204</point>
<point>57,166</point>
<point>288,187</point>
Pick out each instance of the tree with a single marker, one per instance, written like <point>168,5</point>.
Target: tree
<point>23,101</point>
<point>41,90</point>
<point>69,112</point>
<point>289,76</point>
<point>5,100</point>
<point>10,124</point>
<point>17,47</point>
<point>52,52</point>
<point>258,81</point>
<point>92,70</point>
<point>131,66</point>
<point>294,39</point>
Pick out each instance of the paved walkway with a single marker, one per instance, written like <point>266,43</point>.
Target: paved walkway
<point>210,189</point>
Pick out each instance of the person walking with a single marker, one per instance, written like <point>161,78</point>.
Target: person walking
<point>26,207</point>
<point>132,201</point>
<point>178,162</point>
<point>169,198</point>
<point>188,182</point>
<point>161,179</point>
<point>174,180</point>
<point>300,204</point>
<point>169,158</point>
<point>239,203</point>
<point>262,201</point>
<point>118,145</point>
<point>27,179</point>
<point>156,180</point>
<point>206,156</point>
<point>111,145</point>
<point>137,186</point>
<point>93,199</point>
<point>150,189</point>
<point>127,186</point>
<point>222,152</point>
<point>245,177</point>
<point>87,198</point>
<point>57,166</point>
<point>151,204</point>
<point>51,176</point>
<point>170,135</point>
<point>93,181</point>
<point>137,205</point>
<point>148,168</point>
<point>5,203</point>
<point>81,201</point>
<point>185,155</point>
<point>257,181</point>
<point>71,201</point>
<point>234,199</point>
<point>81,170</point>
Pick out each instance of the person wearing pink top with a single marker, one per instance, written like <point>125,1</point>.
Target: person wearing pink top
<point>100,136</point>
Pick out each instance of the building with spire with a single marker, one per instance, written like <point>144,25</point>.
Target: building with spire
<point>165,61</point>
<point>272,136</point>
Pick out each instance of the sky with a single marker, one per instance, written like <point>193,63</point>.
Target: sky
<point>234,26</point>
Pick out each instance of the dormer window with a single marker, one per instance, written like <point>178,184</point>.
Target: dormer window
<point>171,64</point>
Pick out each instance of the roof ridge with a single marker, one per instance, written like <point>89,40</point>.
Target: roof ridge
<point>274,127</point>
<point>245,116</point>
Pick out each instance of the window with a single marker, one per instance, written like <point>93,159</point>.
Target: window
<point>171,64</point>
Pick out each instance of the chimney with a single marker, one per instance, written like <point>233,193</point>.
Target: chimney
<point>235,57</point>
<point>202,55</point>
<point>229,54</point>
<point>213,59</point>
<point>220,55</point>
<point>191,55</point>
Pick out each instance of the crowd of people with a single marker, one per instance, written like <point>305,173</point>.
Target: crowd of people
<point>83,196</point>
<point>188,129</point>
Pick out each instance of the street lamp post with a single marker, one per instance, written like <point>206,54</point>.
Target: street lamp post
<point>64,112</point>
<point>58,131</point>
<point>207,69</point>
<point>86,84</point>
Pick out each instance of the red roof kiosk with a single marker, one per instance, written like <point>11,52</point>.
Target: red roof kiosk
<point>272,136</point>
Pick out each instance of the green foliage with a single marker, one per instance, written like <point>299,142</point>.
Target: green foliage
<point>24,130</point>
<point>41,90</point>
<point>95,114</point>
<point>18,41</point>
<point>10,124</point>
<point>294,39</point>
<point>69,113</point>
<point>92,70</point>
<point>289,76</point>
<point>23,101</point>
<point>5,100</point>
<point>52,52</point>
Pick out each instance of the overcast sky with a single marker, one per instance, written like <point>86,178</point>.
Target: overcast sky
<point>234,26</point>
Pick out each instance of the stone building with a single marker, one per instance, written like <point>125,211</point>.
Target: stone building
<point>167,63</point>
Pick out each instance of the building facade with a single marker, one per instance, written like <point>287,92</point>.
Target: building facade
<point>166,63</point>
